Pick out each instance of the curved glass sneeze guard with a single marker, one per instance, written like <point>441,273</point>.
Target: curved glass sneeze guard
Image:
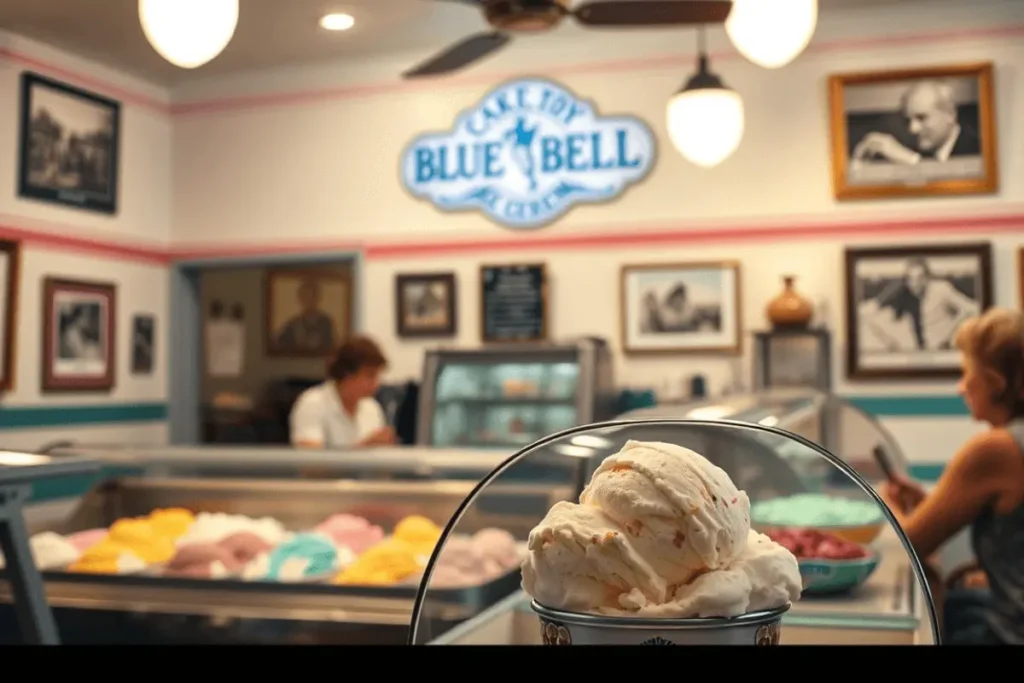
<point>863,583</point>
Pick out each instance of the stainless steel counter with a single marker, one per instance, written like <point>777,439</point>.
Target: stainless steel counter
<point>886,610</point>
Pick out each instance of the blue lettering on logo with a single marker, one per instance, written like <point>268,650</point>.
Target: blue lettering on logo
<point>528,153</point>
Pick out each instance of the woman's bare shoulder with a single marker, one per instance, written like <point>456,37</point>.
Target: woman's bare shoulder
<point>993,451</point>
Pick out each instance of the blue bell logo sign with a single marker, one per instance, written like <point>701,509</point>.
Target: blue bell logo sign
<point>526,154</point>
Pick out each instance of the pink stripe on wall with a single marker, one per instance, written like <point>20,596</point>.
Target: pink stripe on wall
<point>477,79</point>
<point>120,250</point>
<point>679,61</point>
<point>630,236</point>
<point>595,237</point>
<point>85,81</point>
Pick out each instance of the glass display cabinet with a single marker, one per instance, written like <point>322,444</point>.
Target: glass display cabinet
<point>508,396</point>
<point>828,420</point>
<point>860,580</point>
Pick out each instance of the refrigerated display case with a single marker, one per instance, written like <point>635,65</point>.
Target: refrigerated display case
<point>298,489</point>
<point>834,423</point>
<point>511,395</point>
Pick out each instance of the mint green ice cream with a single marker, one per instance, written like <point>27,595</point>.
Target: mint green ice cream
<point>815,510</point>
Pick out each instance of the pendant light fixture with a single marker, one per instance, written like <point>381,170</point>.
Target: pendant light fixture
<point>771,33</point>
<point>705,118</point>
<point>188,33</point>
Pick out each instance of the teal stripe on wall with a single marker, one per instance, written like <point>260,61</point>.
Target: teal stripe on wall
<point>910,406</point>
<point>37,417</point>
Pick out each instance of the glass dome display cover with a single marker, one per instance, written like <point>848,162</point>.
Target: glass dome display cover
<point>748,454</point>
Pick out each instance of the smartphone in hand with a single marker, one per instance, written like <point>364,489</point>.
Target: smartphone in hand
<point>882,458</point>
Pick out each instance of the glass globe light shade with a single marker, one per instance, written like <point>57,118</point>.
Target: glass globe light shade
<point>771,33</point>
<point>188,33</point>
<point>706,124</point>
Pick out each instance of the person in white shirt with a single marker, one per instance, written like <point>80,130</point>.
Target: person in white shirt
<point>341,412</point>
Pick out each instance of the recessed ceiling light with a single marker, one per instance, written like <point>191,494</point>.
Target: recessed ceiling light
<point>336,21</point>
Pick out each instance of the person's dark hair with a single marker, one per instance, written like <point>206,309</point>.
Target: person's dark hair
<point>353,355</point>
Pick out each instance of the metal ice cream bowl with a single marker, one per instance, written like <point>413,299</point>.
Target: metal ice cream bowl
<point>573,628</point>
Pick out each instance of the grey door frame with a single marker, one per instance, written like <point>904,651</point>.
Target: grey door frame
<point>184,333</point>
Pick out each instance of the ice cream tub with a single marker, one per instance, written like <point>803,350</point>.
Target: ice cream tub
<point>559,627</point>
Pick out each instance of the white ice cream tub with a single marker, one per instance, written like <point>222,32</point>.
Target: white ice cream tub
<point>574,628</point>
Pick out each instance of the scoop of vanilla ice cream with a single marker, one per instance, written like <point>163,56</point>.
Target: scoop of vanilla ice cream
<point>682,513</point>
<point>580,559</point>
<point>659,531</point>
<point>764,576</point>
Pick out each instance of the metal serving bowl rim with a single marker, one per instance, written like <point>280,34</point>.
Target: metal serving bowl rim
<point>660,623</point>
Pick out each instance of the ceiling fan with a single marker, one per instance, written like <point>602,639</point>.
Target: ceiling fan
<point>530,16</point>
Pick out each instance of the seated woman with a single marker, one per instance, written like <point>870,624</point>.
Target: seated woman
<point>983,486</point>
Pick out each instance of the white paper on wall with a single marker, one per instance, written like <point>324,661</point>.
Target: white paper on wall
<point>225,348</point>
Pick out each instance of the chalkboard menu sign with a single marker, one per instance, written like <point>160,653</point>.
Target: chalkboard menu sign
<point>514,303</point>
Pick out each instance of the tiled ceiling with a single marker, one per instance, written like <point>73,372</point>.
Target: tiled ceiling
<point>270,33</point>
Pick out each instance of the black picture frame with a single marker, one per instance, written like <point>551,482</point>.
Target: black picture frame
<point>445,328</point>
<point>933,363</point>
<point>143,344</point>
<point>101,195</point>
<point>519,315</point>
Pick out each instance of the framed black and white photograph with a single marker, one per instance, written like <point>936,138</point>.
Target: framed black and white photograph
<point>78,335</point>
<point>68,146</point>
<point>914,132</point>
<point>10,269</point>
<point>426,305</point>
<point>905,304</point>
<point>686,307</point>
<point>143,344</point>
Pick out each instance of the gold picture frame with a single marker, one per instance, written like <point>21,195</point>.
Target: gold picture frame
<point>920,132</point>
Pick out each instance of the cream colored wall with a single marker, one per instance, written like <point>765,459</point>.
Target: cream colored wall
<point>54,243</point>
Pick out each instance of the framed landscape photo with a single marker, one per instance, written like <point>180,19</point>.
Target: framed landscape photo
<point>914,132</point>
<point>78,335</point>
<point>905,304</point>
<point>143,344</point>
<point>681,308</point>
<point>425,305</point>
<point>308,312</point>
<point>68,151</point>
<point>10,273</point>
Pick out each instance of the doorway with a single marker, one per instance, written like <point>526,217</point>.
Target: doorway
<point>187,362</point>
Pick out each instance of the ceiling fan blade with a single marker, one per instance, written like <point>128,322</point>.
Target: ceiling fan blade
<point>652,12</point>
<point>460,55</point>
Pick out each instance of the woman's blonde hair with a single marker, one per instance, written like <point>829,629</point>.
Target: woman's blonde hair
<point>995,341</point>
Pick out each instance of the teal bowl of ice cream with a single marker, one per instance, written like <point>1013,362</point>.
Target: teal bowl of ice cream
<point>857,521</point>
<point>822,577</point>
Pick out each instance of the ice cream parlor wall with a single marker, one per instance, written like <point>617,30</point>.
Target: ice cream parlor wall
<point>108,259</point>
<point>308,159</point>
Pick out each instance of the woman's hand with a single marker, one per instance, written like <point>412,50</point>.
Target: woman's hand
<point>903,495</point>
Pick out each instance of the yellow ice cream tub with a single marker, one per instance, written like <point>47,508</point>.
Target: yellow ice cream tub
<point>102,558</point>
<point>418,531</point>
<point>384,564</point>
<point>172,522</point>
<point>141,539</point>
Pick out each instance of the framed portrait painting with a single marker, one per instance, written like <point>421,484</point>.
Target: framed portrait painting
<point>914,132</point>
<point>680,308</point>
<point>79,335</point>
<point>10,269</point>
<point>308,312</point>
<point>68,151</point>
<point>905,304</point>
<point>143,344</point>
<point>426,305</point>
